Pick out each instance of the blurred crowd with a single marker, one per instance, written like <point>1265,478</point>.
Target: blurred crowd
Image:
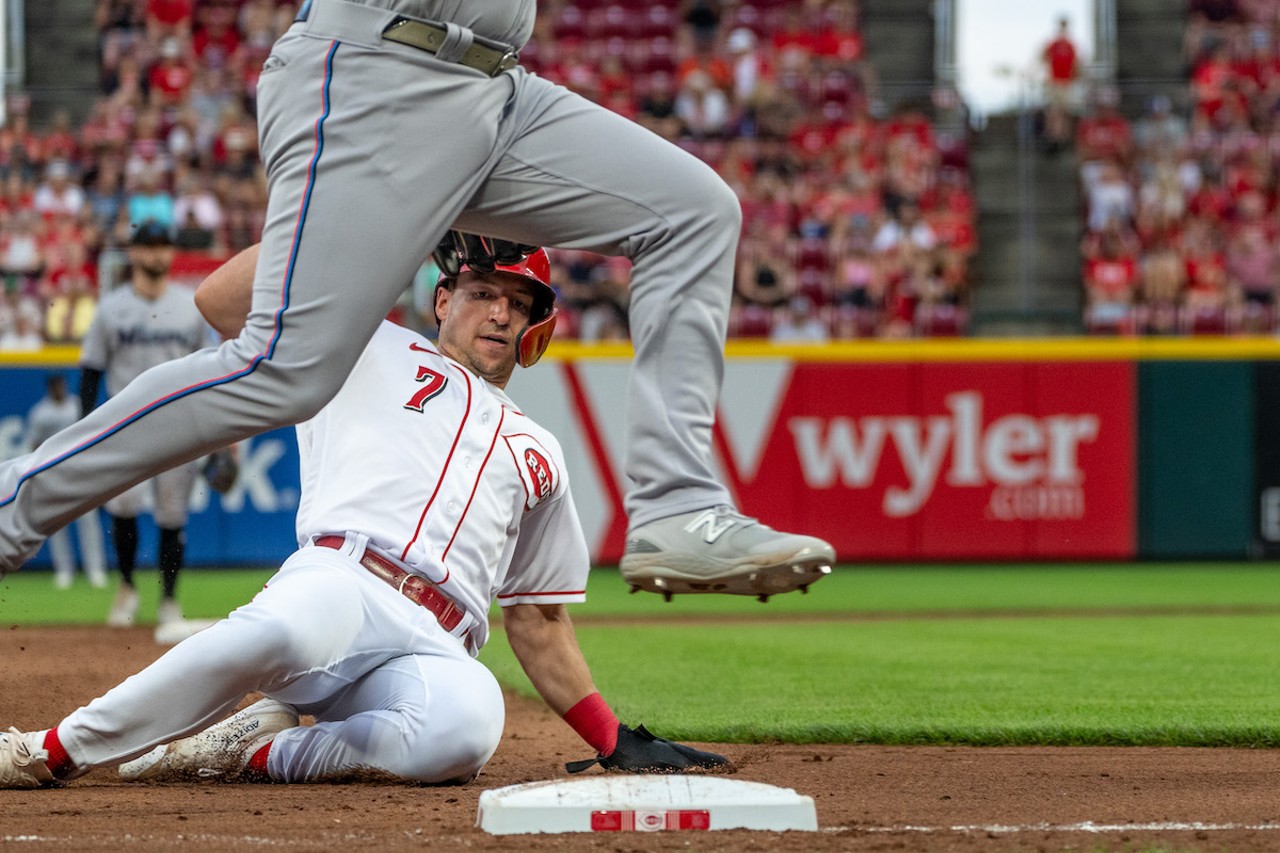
<point>1181,219</point>
<point>857,223</point>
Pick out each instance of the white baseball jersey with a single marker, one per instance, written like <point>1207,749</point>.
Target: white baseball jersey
<point>131,334</point>
<point>465,489</point>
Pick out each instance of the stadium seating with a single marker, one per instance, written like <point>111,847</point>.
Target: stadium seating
<point>172,135</point>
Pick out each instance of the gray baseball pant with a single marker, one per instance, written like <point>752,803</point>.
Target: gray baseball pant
<point>373,150</point>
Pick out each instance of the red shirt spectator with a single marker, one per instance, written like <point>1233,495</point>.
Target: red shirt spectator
<point>1105,135</point>
<point>170,78</point>
<point>838,38</point>
<point>60,142</point>
<point>216,42</point>
<point>169,13</point>
<point>1060,57</point>
<point>1113,278</point>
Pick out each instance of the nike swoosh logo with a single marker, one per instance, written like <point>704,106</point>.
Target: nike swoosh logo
<point>420,348</point>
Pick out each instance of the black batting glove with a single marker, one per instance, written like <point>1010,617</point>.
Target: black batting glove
<point>639,751</point>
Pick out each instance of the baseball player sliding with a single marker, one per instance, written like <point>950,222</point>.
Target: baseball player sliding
<point>383,123</point>
<point>426,494</point>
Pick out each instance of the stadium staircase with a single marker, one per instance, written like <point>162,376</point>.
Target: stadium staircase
<point>1026,276</point>
<point>898,41</point>
<point>61,58</point>
<point>1148,59</point>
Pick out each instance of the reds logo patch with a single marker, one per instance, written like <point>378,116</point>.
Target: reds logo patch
<point>540,471</point>
<point>538,474</point>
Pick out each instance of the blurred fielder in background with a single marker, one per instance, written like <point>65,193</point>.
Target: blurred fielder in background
<point>135,328</point>
<point>55,411</point>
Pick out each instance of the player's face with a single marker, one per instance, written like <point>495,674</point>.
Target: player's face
<point>153,260</point>
<point>481,319</point>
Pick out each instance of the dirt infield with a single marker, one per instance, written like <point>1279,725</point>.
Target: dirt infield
<point>868,798</point>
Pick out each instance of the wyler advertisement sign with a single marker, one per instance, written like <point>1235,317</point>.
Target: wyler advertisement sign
<point>938,461</point>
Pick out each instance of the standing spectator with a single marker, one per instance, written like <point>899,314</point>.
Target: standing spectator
<point>56,411</point>
<point>1062,72</point>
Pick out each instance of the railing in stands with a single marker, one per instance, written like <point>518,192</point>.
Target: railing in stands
<point>1102,67</point>
<point>12,42</point>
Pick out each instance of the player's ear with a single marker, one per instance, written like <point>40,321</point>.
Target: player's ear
<point>442,296</point>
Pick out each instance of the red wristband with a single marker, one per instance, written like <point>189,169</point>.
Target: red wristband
<point>594,721</point>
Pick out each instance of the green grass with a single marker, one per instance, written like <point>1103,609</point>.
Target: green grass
<point>1180,654</point>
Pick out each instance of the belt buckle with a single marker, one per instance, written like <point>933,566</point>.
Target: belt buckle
<point>509,60</point>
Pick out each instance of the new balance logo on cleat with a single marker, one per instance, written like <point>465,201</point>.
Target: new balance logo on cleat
<point>719,550</point>
<point>713,525</point>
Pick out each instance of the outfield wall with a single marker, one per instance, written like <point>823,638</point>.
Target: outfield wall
<point>911,450</point>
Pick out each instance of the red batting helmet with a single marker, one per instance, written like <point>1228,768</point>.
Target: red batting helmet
<point>460,252</point>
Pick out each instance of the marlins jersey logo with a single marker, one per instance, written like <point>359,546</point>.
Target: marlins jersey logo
<point>537,472</point>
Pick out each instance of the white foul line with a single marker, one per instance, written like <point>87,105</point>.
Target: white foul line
<point>1086,826</point>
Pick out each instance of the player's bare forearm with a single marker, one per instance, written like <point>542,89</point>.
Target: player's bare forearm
<point>542,637</point>
<point>226,294</point>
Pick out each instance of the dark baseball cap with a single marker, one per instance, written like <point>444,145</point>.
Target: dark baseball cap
<point>151,233</point>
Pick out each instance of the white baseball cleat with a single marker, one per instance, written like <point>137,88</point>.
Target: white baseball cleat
<point>175,631</point>
<point>125,607</point>
<point>168,610</point>
<point>22,760</point>
<point>220,752</point>
<point>721,550</point>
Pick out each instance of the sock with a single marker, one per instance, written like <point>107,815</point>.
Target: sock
<point>124,533</point>
<point>59,762</point>
<point>594,721</point>
<point>172,549</point>
<point>258,763</point>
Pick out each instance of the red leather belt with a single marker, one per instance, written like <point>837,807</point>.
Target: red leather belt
<point>416,588</point>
